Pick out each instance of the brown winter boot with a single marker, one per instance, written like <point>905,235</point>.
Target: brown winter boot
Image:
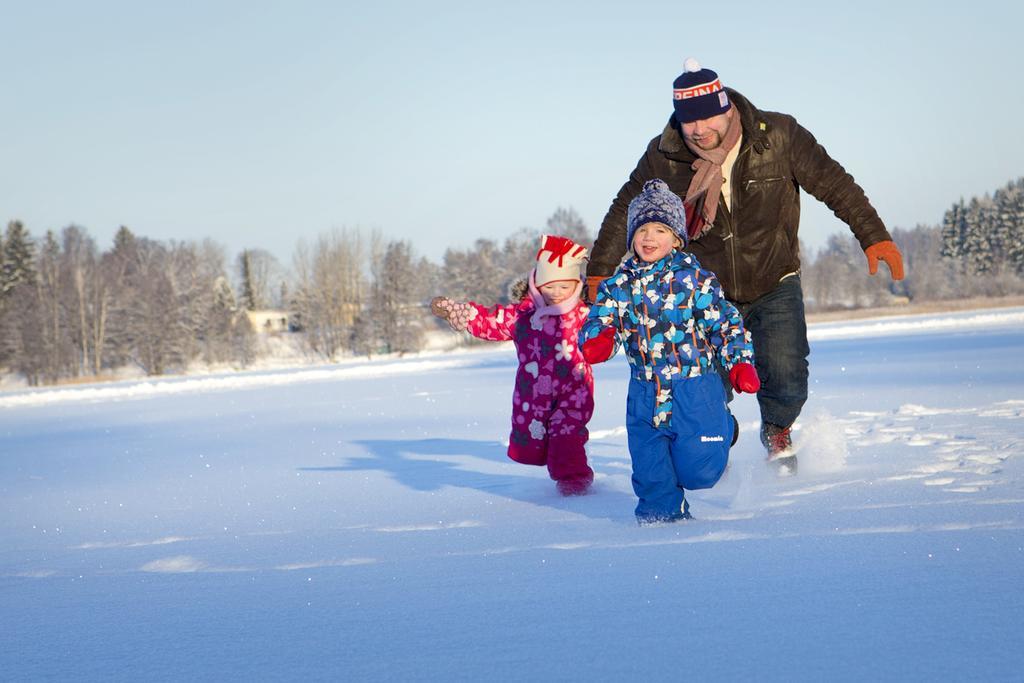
<point>779,444</point>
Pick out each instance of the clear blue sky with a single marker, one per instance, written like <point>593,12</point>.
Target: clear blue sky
<point>257,124</point>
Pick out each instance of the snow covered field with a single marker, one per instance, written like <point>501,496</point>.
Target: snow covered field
<point>361,522</point>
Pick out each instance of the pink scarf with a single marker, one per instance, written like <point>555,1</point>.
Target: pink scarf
<point>702,196</point>
<point>554,309</point>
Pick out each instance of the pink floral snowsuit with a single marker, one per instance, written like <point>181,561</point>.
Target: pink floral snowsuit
<point>554,392</point>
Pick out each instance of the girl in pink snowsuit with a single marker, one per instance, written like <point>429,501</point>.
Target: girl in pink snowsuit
<point>553,397</point>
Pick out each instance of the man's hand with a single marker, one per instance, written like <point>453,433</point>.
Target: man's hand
<point>590,291</point>
<point>600,348</point>
<point>743,378</point>
<point>886,251</point>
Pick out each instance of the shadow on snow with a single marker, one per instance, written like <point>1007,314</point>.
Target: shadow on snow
<point>431,464</point>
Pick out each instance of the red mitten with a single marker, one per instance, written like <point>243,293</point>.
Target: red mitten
<point>743,378</point>
<point>600,348</point>
<point>888,252</point>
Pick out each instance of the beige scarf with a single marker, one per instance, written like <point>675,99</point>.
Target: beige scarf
<point>706,187</point>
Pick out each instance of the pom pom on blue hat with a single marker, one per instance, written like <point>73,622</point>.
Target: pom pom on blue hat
<point>656,203</point>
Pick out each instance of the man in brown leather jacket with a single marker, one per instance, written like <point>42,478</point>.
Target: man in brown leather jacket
<point>740,171</point>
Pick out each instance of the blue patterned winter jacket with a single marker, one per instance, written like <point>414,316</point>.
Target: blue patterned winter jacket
<point>672,319</point>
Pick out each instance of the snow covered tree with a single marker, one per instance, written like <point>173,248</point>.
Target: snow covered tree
<point>477,274</point>
<point>954,230</point>
<point>396,304</point>
<point>155,330</point>
<point>1011,224</point>
<point>978,247</point>
<point>17,258</point>
<point>486,272</point>
<point>17,276</point>
<point>518,255</point>
<point>930,277</point>
<point>226,334</point>
<point>838,277</point>
<point>17,272</point>
<point>986,237</point>
<point>567,223</point>
<point>329,290</point>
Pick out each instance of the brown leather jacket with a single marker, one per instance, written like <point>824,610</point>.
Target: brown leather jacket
<point>756,244</point>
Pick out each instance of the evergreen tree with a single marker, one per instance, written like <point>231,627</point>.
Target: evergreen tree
<point>954,229</point>
<point>977,244</point>
<point>259,279</point>
<point>17,278</point>
<point>248,295</point>
<point>120,266</point>
<point>1011,224</point>
<point>986,237</point>
<point>17,259</point>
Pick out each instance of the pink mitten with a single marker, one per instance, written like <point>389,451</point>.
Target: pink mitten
<point>458,314</point>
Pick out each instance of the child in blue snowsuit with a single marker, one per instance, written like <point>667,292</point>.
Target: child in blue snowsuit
<point>675,324</point>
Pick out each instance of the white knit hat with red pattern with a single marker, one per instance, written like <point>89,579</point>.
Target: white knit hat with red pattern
<point>558,259</point>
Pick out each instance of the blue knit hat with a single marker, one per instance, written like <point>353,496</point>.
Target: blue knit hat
<point>656,203</point>
<point>698,94</point>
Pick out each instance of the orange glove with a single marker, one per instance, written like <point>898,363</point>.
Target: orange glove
<point>888,252</point>
<point>600,348</point>
<point>743,377</point>
<point>590,295</point>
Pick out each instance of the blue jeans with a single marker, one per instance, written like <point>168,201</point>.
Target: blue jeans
<point>779,331</point>
<point>690,452</point>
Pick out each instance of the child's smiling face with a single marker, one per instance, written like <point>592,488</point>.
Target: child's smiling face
<point>557,292</point>
<point>654,241</point>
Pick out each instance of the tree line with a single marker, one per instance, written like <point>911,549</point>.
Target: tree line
<point>69,310</point>
<point>977,251</point>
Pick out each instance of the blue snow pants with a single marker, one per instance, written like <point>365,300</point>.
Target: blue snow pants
<point>690,452</point>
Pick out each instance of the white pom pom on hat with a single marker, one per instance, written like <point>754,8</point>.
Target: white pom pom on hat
<point>656,203</point>
<point>691,65</point>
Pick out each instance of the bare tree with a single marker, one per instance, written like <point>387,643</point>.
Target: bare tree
<point>79,273</point>
<point>838,277</point>
<point>329,290</point>
<point>153,325</point>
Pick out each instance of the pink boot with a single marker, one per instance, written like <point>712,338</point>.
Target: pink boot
<point>574,487</point>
